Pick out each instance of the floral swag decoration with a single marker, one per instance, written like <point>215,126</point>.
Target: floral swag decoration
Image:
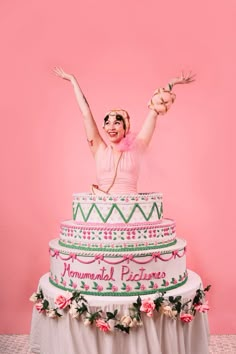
<point>76,304</point>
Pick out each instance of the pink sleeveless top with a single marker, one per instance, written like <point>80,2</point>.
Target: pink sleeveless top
<point>127,172</point>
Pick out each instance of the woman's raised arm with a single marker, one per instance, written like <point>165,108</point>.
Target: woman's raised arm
<point>159,104</point>
<point>93,136</point>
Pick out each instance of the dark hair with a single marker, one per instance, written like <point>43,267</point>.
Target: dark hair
<point>119,117</point>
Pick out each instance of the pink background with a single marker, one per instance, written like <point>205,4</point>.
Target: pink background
<point>120,52</point>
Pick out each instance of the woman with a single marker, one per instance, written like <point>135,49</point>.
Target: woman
<point>117,164</point>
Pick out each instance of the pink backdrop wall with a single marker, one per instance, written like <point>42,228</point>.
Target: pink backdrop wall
<point>120,51</point>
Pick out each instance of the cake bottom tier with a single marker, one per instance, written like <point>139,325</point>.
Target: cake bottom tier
<point>158,334</point>
<point>129,273</point>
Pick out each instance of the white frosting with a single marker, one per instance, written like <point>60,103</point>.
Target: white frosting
<point>118,235</point>
<point>130,208</point>
<point>187,291</point>
<point>116,273</point>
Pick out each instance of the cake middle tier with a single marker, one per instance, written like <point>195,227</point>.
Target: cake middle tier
<point>119,236</point>
<point>118,273</point>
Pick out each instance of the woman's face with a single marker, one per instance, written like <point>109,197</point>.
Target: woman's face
<point>114,129</point>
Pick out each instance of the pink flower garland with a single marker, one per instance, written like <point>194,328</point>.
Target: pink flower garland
<point>77,305</point>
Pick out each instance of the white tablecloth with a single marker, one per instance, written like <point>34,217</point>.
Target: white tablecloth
<point>158,335</point>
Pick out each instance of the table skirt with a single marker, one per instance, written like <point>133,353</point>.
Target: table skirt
<point>158,334</point>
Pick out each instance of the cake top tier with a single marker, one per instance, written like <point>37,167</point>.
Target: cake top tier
<point>117,208</point>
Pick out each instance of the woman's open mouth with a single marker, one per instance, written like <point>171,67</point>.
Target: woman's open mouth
<point>112,134</point>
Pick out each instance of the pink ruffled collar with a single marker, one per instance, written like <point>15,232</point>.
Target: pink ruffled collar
<point>127,143</point>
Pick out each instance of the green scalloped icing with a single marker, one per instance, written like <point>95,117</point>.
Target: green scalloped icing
<point>124,293</point>
<point>114,206</point>
<point>116,249</point>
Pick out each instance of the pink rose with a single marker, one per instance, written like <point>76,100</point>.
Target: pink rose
<point>186,317</point>
<point>147,306</point>
<point>128,288</point>
<point>102,325</point>
<point>63,301</point>
<point>39,306</point>
<point>86,287</point>
<point>114,288</point>
<point>99,288</point>
<point>202,307</point>
<point>142,287</point>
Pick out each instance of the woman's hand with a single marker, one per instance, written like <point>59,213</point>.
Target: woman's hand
<point>92,132</point>
<point>183,79</point>
<point>58,71</point>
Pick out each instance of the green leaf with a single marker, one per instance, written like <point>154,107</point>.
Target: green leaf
<point>75,294</point>
<point>39,295</point>
<point>94,316</point>
<point>139,301</point>
<point>178,298</point>
<point>207,288</point>
<point>57,313</point>
<point>122,328</point>
<point>178,307</point>
<point>82,309</point>
<point>45,304</point>
<point>136,306</point>
<point>110,315</point>
<point>109,287</point>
